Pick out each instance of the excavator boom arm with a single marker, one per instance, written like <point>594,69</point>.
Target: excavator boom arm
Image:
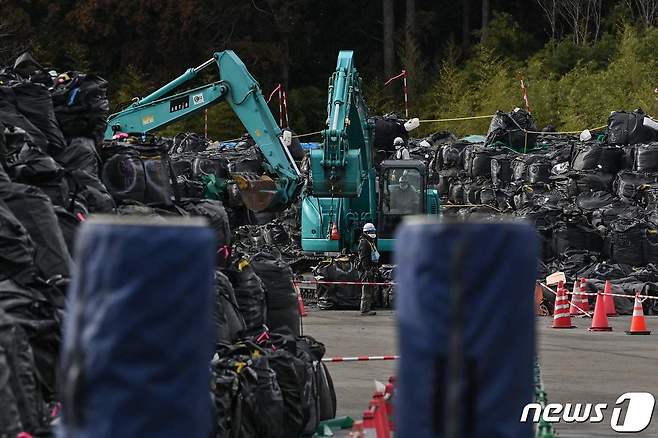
<point>243,94</point>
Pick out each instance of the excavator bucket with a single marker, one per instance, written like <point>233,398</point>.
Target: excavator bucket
<point>257,192</point>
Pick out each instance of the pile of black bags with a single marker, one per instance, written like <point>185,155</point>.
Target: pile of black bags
<point>592,201</point>
<point>56,169</point>
<point>275,387</point>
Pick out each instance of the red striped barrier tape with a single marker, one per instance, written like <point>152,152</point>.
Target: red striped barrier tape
<point>359,358</point>
<point>650,297</point>
<point>346,283</point>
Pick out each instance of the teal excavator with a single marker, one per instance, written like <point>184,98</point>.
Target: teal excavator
<point>240,90</point>
<point>345,190</point>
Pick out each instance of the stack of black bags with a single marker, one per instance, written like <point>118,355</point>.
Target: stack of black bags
<point>55,170</point>
<point>50,127</point>
<point>594,202</point>
<point>275,387</point>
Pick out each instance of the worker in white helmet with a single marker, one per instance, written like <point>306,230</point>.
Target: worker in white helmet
<point>368,263</point>
<point>401,151</point>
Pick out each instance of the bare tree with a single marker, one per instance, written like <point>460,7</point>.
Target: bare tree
<point>550,10</point>
<point>645,11</point>
<point>581,17</point>
<point>388,13</point>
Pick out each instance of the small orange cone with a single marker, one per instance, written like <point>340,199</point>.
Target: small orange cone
<point>609,300</point>
<point>334,234</point>
<point>600,320</point>
<point>579,303</point>
<point>369,428</point>
<point>638,323</point>
<point>378,405</point>
<point>561,316</point>
<point>300,302</point>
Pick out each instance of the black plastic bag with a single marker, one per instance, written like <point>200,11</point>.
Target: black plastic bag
<point>90,191</point>
<point>627,184</point>
<point>445,179</point>
<point>501,169</point>
<point>332,296</point>
<point>139,173</point>
<point>16,248</point>
<point>624,241</point>
<point>387,128</point>
<point>539,171</point>
<point>577,235</point>
<point>21,401</point>
<point>594,156</point>
<point>217,217</point>
<point>594,200</point>
<point>277,278</point>
<point>35,167</point>
<point>521,167</point>
<point>80,154</point>
<point>510,129</point>
<point>586,181</point>
<point>249,293</point>
<point>188,142</point>
<point>326,393</point>
<point>10,116</point>
<point>269,407</point>
<point>610,213</point>
<point>479,161</point>
<point>291,377</point>
<point>646,157</point>
<point>34,102</point>
<point>226,314</point>
<point>627,128</point>
<point>35,212</point>
<point>456,192</point>
<point>81,105</point>
<point>38,312</point>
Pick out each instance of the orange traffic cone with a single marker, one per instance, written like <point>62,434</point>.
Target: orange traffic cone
<point>334,234</point>
<point>300,302</point>
<point>357,430</point>
<point>388,396</point>
<point>378,405</point>
<point>579,303</point>
<point>369,428</point>
<point>600,320</point>
<point>638,323</point>
<point>609,300</point>
<point>561,316</point>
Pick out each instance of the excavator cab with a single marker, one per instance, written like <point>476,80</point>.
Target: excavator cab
<point>401,193</point>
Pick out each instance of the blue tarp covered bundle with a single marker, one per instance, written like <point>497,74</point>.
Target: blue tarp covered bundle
<point>138,343</point>
<point>466,329</point>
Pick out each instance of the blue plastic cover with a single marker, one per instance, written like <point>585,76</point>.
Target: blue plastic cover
<point>492,266</point>
<point>138,338</point>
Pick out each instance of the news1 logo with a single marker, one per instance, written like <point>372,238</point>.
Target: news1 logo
<point>638,412</point>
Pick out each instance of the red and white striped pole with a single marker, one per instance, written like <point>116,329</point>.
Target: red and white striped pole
<point>280,106</point>
<point>346,283</point>
<point>406,95</point>
<point>285,108</point>
<point>269,98</point>
<point>524,91</point>
<point>205,123</point>
<point>403,74</point>
<point>359,358</point>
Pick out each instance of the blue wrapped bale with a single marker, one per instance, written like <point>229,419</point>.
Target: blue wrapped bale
<point>138,334</point>
<point>466,328</point>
